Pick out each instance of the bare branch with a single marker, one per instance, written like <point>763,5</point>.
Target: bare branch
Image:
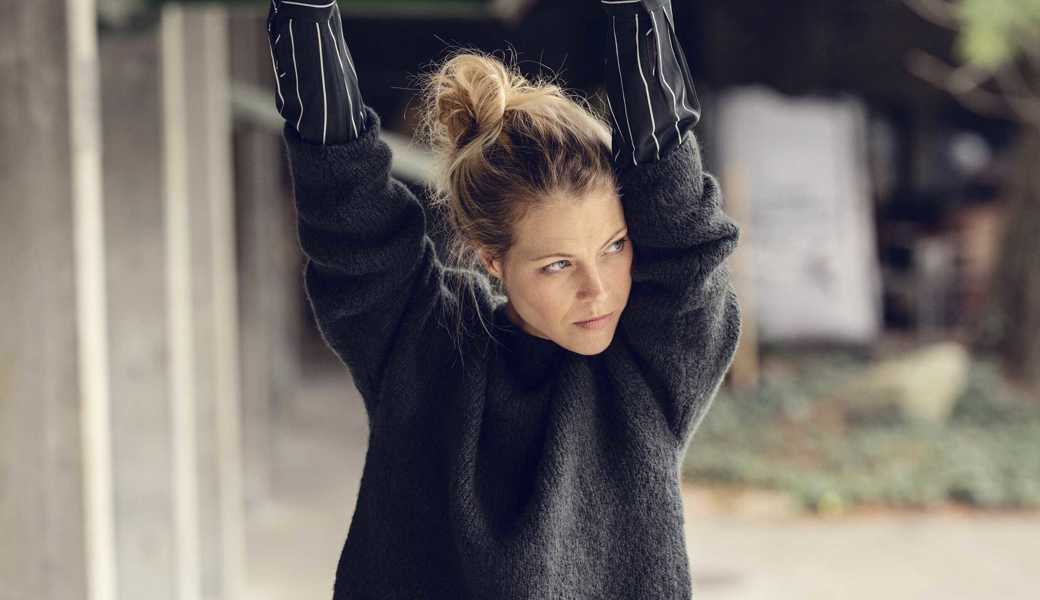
<point>943,76</point>
<point>1017,100</point>
<point>938,12</point>
<point>1018,94</point>
<point>967,77</point>
<point>1014,81</point>
<point>1031,51</point>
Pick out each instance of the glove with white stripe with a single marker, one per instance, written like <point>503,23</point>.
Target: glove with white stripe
<point>650,91</point>
<point>316,86</point>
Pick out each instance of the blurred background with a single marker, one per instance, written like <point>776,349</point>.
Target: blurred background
<point>173,426</point>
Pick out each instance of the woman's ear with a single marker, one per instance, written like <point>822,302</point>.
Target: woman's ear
<point>492,265</point>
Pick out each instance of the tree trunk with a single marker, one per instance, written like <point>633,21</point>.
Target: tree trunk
<point>1012,325</point>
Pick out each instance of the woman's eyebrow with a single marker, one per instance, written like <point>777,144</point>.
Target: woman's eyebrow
<point>563,254</point>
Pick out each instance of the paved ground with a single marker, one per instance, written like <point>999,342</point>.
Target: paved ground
<point>742,547</point>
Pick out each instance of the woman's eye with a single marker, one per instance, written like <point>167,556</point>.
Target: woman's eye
<point>620,241</point>
<point>548,269</point>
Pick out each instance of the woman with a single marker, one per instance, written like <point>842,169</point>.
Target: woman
<point>533,456</point>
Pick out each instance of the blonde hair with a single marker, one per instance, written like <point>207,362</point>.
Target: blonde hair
<point>502,145</point>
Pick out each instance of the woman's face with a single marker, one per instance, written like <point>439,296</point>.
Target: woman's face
<point>572,260</point>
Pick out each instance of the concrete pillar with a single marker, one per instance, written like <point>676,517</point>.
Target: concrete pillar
<point>202,299</point>
<point>120,470</point>
<point>142,435</point>
<point>55,460</point>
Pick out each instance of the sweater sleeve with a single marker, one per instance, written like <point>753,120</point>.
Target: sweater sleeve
<point>650,93</point>
<point>371,272</point>
<point>682,320</point>
<point>316,85</point>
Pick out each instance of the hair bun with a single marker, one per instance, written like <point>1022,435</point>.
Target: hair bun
<point>471,97</point>
<point>492,131</point>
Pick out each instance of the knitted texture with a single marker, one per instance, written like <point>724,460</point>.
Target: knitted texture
<point>502,465</point>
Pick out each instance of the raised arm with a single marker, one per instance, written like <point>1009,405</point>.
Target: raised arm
<point>316,85</point>
<point>682,321</point>
<point>650,91</point>
<point>371,273</point>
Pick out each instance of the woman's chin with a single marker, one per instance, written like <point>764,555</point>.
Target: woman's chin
<point>590,342</point>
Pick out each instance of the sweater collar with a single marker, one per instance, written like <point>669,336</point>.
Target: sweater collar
<point>528,357</point>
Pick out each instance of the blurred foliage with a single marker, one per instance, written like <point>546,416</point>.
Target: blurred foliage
<point>993,32</point>
<point>791,433</point>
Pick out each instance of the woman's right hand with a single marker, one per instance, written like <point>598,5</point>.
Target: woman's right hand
<point>316,85</point>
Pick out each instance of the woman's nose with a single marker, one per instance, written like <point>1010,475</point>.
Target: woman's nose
<point>594,287</point>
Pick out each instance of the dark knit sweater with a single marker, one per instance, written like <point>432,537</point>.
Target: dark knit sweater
<point>520,470</point>
<point>501,465</point>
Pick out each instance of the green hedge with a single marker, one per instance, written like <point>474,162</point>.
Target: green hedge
<point>781,436</point>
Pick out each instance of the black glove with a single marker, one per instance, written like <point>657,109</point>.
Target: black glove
<point>650,91</point>
<point>316,84</point>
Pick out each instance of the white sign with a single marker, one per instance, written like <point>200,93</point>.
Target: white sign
<point>810,231</point>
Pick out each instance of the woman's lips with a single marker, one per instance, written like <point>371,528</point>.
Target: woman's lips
<point>595,323</point>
